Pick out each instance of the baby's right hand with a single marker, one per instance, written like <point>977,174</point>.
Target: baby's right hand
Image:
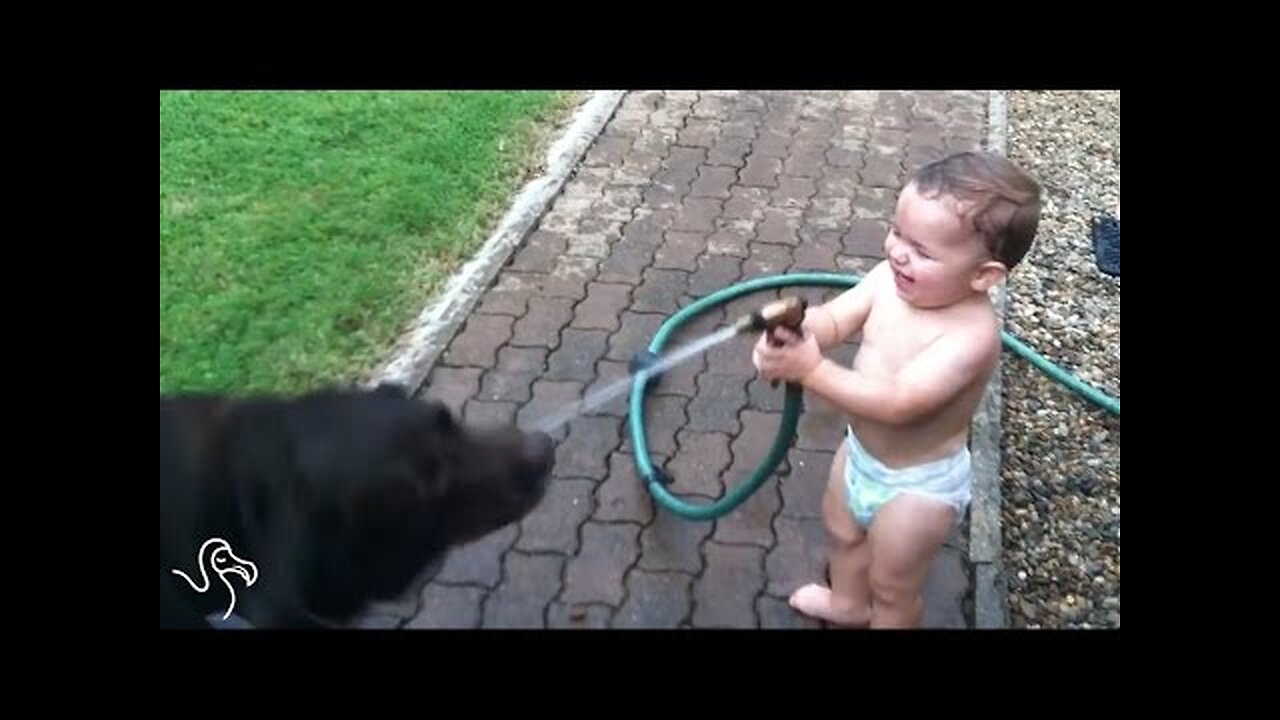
<point>763,345</point>
<point>786,355</point>
<point>755,352</point>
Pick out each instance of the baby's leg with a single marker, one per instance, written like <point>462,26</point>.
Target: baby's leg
<point>904,540</point>
<point>848,602</point>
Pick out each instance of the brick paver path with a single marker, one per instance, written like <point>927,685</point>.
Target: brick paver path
<point>683,194</point>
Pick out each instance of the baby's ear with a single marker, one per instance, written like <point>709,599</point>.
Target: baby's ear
<point>988,275</point>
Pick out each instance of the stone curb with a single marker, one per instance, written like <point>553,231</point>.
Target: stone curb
<point>990,608</point>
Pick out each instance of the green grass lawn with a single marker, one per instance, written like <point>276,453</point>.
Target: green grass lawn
<point>300,231</point>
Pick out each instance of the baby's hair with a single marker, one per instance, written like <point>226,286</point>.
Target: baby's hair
<point>1000,200</point>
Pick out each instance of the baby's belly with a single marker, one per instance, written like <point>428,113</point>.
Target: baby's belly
<point>905,445</point>
<point>899,446</point>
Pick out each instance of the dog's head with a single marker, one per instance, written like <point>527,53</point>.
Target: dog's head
<point>339,497</point>
<point>396,481</point>
<point>467,481</point>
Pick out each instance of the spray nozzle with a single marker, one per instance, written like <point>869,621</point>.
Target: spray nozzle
<point>787,312</point>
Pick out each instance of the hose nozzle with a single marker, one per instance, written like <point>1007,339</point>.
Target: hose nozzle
<point>787,312</point>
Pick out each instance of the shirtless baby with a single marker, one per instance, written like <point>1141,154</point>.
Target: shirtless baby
<point>929,342</point>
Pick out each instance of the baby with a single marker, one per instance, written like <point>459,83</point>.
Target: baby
<point>929,342</point>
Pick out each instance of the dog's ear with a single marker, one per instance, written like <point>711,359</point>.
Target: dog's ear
<point>392,390</point>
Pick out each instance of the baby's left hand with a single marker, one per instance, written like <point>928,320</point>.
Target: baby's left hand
<point>798,356</point>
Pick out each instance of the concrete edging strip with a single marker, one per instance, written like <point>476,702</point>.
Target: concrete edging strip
<point>990,607</point>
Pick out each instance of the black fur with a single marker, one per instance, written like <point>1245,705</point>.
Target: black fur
<point>339,497</point>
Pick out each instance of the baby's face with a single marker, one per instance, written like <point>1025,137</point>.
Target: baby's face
<point>933,252</point>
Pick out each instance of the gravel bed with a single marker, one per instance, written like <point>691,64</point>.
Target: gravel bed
<point>1061,453</point>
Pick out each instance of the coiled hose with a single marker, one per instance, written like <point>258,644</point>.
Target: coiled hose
<point>657,481</point>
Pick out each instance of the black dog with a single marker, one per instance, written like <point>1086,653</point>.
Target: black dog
<point>303,510</point>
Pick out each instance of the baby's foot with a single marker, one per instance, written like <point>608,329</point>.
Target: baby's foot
<point>817,601</point>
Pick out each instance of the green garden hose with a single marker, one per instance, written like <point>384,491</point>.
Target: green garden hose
<point>656,480</point>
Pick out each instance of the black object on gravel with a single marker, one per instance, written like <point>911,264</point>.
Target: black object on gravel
<point>1106,244</point>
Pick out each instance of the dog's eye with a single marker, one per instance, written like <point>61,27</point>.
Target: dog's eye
<point>443,418</point>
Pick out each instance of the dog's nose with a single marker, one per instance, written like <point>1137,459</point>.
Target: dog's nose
<point>539,450</point>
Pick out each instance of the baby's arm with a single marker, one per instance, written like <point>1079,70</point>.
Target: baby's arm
<point>834,321</point>
<point>922,387</point>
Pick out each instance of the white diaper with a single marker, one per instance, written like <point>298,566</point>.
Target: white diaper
<point>870,484</point>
